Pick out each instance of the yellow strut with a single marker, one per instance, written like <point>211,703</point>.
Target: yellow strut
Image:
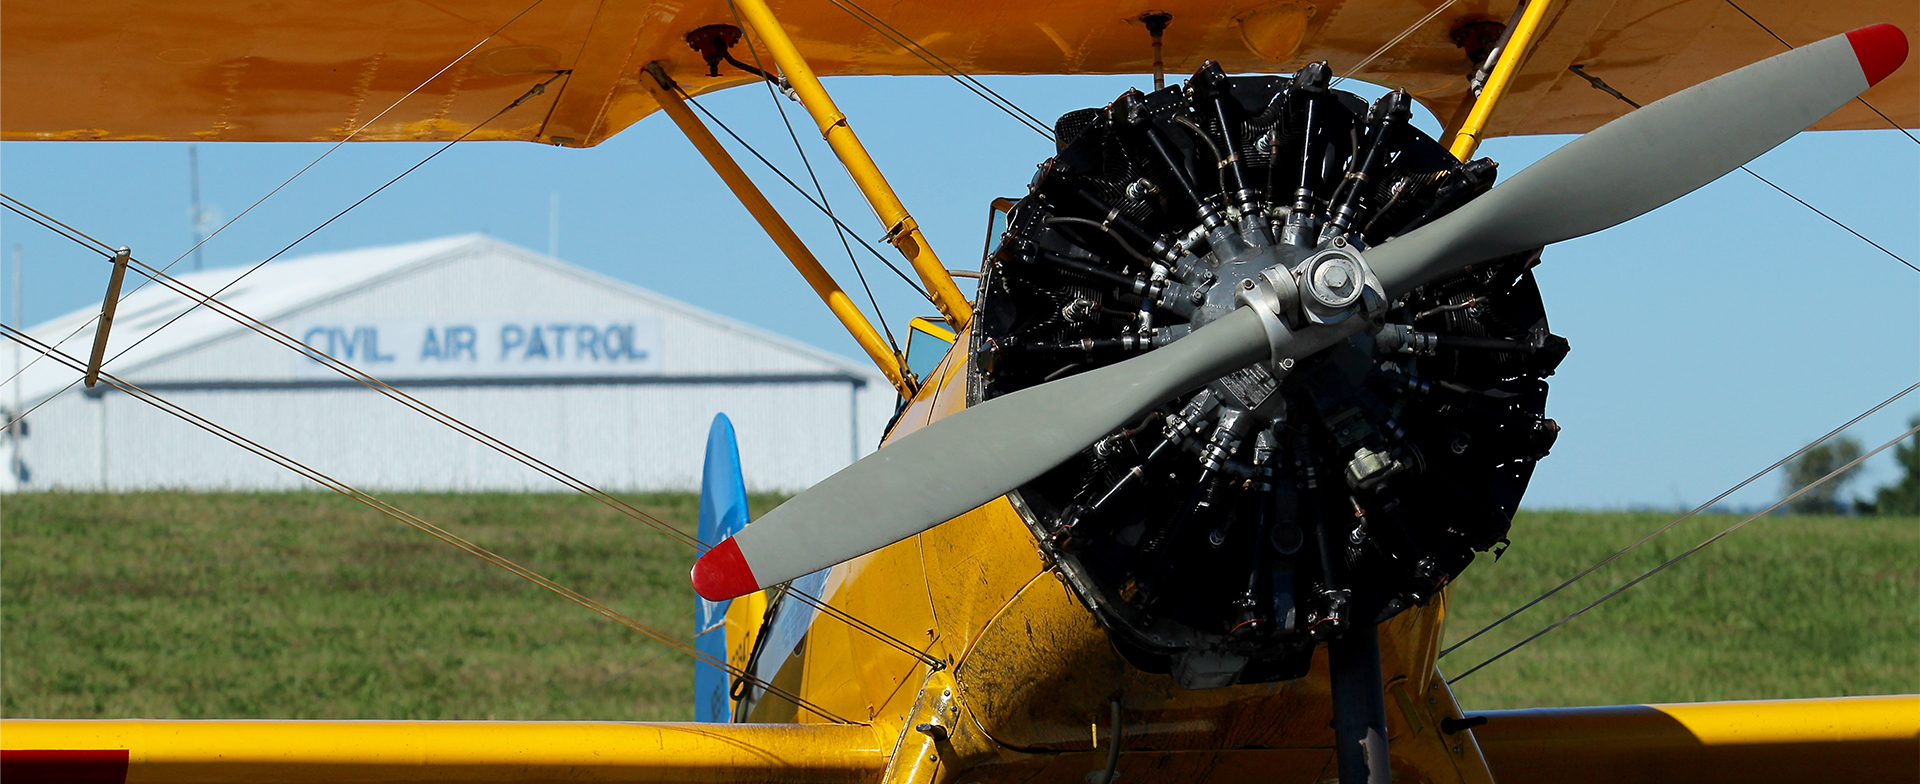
<point>901,229</point>
<point>777,228</point>
<point>1467,139</point>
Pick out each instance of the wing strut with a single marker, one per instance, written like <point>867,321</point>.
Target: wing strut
<point>1518,46</point>
<point>901,229</point>
<point>664,91</point>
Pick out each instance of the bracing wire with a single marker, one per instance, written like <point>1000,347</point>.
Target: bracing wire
<point>211,302</point>
<point>1861,99</point>
<point>396,513</point>
<point>459,426</point>
<point>1695,511</point>
<point>838,228</point>
<point>802,191</point>
<point>69,233</point>
<point>296,175</point>
<point>1602,86</point>
<point>1368,60</point>
<point>365,125</point>
<point>938,63</point>
<point>537,89</point>
<point>152,274</point>
<point>62,229</point>
<point>85,243</point>
<point>1690,551</point>
<point>1830,219</point>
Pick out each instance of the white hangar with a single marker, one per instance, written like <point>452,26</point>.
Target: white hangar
<point>609,382</point>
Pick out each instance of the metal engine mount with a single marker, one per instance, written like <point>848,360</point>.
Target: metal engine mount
<point>1227,533</point>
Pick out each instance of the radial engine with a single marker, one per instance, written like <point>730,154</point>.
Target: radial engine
<point>1222,536</point>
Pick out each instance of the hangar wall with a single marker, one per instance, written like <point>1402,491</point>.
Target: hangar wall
<point>611,383</point>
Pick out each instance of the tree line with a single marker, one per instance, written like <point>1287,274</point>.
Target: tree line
<point>1899,497</point>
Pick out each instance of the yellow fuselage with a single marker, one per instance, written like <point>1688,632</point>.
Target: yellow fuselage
<point>1032,672</point>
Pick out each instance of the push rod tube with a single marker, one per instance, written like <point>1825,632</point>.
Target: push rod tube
<point>1515,52</point>
<point>902,231</point>
<point>769,218</point>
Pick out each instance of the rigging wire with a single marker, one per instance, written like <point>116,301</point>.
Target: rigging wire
<point>802,191</point>
<point>841,229</point>
<point>63,229</point>
<point>1816,210</point>
<point>1862,100</point>
<point>396,513</point>
<point>457,425</point>
<point>838,228</point>
<point>368,124</point>
<point>276,335</point>
<point>1676,559</point>
<point>87,241</point>
<point>296,175</point>
<point>1368,60</point>
<point>1663,529</point>
<point>468,430</point>
<point>18,416</point>
<point>478,435</point>
<point>537,89</point>
<point>927,56</point>
<point>70,233</point>
<point>1602,86</point>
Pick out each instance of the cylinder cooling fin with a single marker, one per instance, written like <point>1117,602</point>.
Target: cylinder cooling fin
<point>1221,537</point>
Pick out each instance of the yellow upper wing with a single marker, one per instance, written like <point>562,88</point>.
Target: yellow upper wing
<point>275,71</point>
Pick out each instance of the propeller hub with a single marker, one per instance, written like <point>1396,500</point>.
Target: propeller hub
<point>1339,285</point>
<point>1334,279</point>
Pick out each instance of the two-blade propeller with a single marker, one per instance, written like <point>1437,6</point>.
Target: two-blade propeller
<point>1617,172</point>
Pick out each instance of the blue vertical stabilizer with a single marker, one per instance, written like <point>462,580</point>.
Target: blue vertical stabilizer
<point>723,512</point>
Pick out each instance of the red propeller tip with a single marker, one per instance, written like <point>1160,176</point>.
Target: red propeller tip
<point>1881,49</point>
<point>723,573</point>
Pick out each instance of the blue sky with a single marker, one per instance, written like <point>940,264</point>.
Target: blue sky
<point>1710,337</point>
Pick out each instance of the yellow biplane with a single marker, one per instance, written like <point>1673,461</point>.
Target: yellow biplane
<point>1250,374</point>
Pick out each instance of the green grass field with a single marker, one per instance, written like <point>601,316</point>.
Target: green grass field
<point>1785,607</point>
<point>307,605</point>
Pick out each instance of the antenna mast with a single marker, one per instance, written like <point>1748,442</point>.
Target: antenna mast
<point>553,226</point>
<point>15,425</point>
<point>198,218</point>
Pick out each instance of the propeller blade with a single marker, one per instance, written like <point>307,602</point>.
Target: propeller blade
<point>956,464</point>
<point>1649,157</point>
<point>1619,171</point>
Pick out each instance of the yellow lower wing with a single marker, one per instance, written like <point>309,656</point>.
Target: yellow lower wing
<point>474,751</point>
<point>1840,739</point>
<point>1843,739</point>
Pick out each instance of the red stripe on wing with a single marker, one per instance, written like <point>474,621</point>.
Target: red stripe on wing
<point>63,766</point>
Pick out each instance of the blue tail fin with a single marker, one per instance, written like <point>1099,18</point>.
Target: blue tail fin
<point>723,512</point>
